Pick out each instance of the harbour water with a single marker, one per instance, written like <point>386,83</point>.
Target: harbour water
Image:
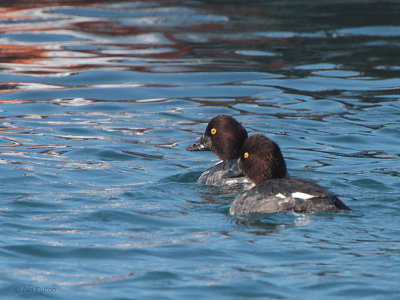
<point>99,99</point>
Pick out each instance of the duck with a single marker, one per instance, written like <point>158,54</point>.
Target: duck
<point>224,136</point>
<point>261,160</point>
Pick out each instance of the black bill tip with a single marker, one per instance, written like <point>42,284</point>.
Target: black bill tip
<point>198,145</point>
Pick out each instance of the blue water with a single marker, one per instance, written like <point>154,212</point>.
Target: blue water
<point>98,101</point>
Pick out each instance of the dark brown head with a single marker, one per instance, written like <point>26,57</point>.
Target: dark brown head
<point>224,136</point>
<point>261,159</point>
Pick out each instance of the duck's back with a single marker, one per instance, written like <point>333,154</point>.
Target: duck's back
<point>287,194</point>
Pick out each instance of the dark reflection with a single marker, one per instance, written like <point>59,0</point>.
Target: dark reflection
<point>262,36</point>
<point>304,32</point>
<point>265,224</point>
<point>189,177</point>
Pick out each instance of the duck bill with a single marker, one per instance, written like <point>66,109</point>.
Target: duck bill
<point>203,144</point>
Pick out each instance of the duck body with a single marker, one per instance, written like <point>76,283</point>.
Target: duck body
<point>297,195</point>
<point>262,161</point>
<point>225,173</point>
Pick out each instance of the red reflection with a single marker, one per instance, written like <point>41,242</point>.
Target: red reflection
<point>20,54</point>
<point>94,42</point>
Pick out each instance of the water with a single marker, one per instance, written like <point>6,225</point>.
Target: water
<point>99,100</point>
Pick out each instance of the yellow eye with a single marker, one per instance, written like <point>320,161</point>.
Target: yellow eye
<point>246,155</point>
<point>213,131</point>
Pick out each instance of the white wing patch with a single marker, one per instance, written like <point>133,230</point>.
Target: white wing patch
<point>303,196</point>
<point>280,196</point>
<point>232,181</point>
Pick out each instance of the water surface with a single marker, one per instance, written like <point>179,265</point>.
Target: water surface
<point>98,100</point>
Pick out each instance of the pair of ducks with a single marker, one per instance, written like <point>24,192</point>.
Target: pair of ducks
<point>258,160</point>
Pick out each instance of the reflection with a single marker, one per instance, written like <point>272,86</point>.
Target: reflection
<point>188,177</point>
<point>265,224</point>
<point>16,55</point>
<point>142,35</point>
<point>70,39</point>
<point>98,280</point>
<point>74,101</point>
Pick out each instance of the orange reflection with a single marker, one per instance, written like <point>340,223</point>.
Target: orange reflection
<point>94,40</point>
<point>20,54</point>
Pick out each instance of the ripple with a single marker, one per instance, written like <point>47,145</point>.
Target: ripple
<point>255,53</point>
<point>383,31</point>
